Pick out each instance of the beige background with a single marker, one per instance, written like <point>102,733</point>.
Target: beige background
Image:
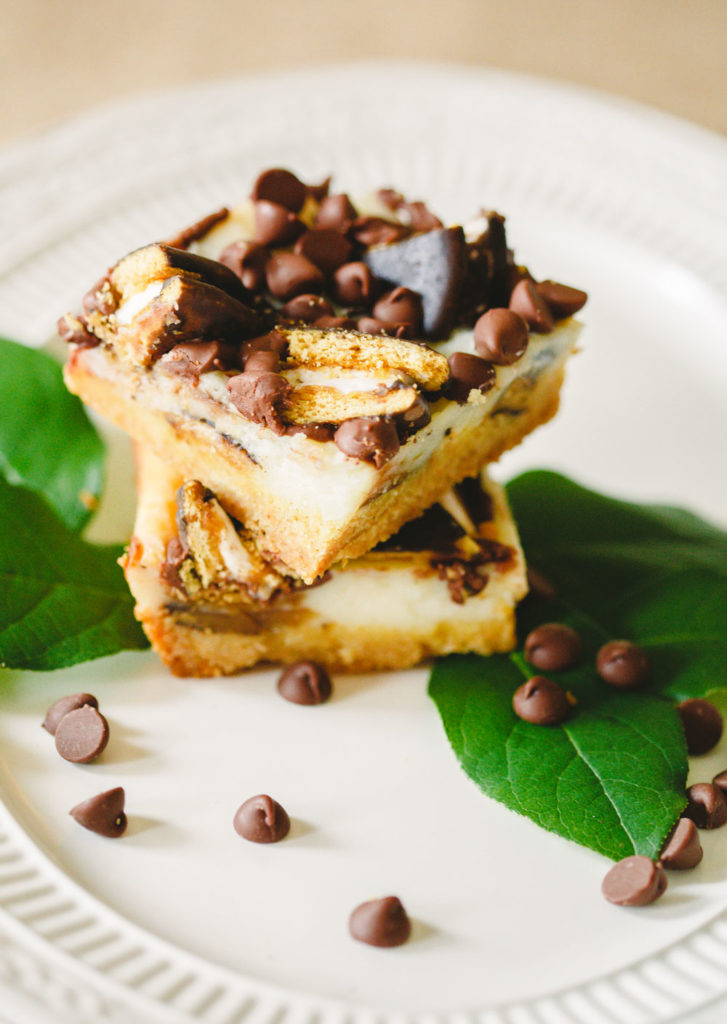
<point>58,57</point>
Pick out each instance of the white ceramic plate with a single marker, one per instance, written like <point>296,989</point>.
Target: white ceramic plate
<point>181,919</point>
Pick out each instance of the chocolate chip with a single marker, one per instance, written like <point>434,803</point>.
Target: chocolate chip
<point>532,307</point>
<point>327,248</point>
<point>623,664</point>
<point>702,724</point>
<point>382,923</point>
<point>432,265</point>
<point>327,323</point>
<point>199,229</point>
<point>335,212</point>
<point>720,781</point>
<point>63,706</point>
<point>468,372</point>
<point>370,231</point>
<point>553,647</point>
<point>634,882</point>
<point>682,850</point>
<point>261,820</point>
<point>282,187</point>
<point>313,431</point>
<point>540,585</point>
<point>75,332</point>
<point>176,551</point>
<point>370,325</point>
<point>421,217</point>
<point>562,300</point>
<point>390,198</point>
<point>319,192</point>
<point>82,735</point>
<point>501,336</point>
<point>707,805</point>
<point>263,361</point>
<point>274,225</point>
<point>540,701</point>
<point>103,813</point>
<point>260,396</point>
<point>305,682</point>
<point>306,308</point>
<point>416,417</point>
<point>353,284</point>
<point>247,260</point>
<point>289,274</point>
<point>273,341</point>
<point>99,297</point>
<point>399,306</point>
<point>368,438</point>
<point>191,358</point>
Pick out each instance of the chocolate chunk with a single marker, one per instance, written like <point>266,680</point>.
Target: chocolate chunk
<point>382,923</point>
<point>720,781</point>
<point>368,438</point>
<point>353,284</point>
<point>532,307</point>
<point>553,647</point>
<point>305,682</point>
<point>177,550</point>
<point>199,229</point>
<point>313,431</point>
<point>634,882</point>
<point>487,270</point>
<point>261,820</point>
<point>260,397</point>
<point>273,341</point>
<point>264,361</point>
<point>306,308</point>
<point>540,701</point>
<point>431,264</point>
<point>468,372</point>
<point>540,585</point>
<point>159,261</point>
<point>335,212</point>
<point>289,274</point>
<point>623,664</point>
<point>702,724</point>
<point>274,225</point>
<point>462,575</point>
<point>82,735</point>
<point>369,231</point>
<point>501,336</point>
<point>191,358</point>
<point>562,300</point>
<point>477,502</point>
<point>327,248</point>
<point>247,260</point>
<point>390,198</point>
<point>682,849</point>
<point>282,187</point>
<point>319,192</point>
<point>421,217</point>
<point>400,306</point>
<point>707,805</point>
<point>418,416</point>
<point>103,813</point>
<point>75,331</point>
<point>63,706</point>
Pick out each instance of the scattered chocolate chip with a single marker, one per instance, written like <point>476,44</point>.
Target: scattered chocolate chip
<point>305,682</point>
<point>553,647</point>
<point>289,274</point>
<point>319,192</point>
<point>313,431</point>
<point>562,300</point>
<point>432,265</point>
<point>273,341</point>
<point>370,231</point>
<point>468,372</point>
<point>634,882</point>
<point>707,805</point>
<point>720,781</point>
<point>282,187</point>
<point>353,284</point>
<point>540,585</point>
<point>247,260</point>
<point>63,706</point>
<point>327,323</point>
<point>261,820</point>
<point>191,358</point>
<point>368,438</point>
<point>306,308</point>
<point>382,923</point>
<point>532,307</point>
<point>421,217</point>
<point>176,551</point>
<point>462,575</point>
<point>623,664</point>
<point>418,416</point>
<point>82,735</point>
<point>370,325</point>
<point>198,230</point>
<point>335,212</point>
<point>702,724</point>
<point>399,306</point>
<point>682,849</point>
<point>103,813</point>
<point>501,336</point>
<point>274,225</point>
<point>264,361</point>
<point>327,248</point>
<point>540,701</point>
<point>260,397</point>
<point>390,198</point>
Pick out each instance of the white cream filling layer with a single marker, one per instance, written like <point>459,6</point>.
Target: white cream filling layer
<point>137,302</point>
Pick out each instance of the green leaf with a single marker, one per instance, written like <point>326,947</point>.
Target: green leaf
<point>62,600</point>
<point>613,776</point>
<point>47,442</point>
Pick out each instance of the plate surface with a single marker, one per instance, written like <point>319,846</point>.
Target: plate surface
<point>182,919</point>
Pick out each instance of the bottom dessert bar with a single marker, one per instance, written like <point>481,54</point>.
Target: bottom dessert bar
<point>212,605</point>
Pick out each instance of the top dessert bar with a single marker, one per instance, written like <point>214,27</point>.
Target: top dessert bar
<point>329,371</point>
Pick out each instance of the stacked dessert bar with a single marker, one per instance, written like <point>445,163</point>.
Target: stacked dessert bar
<point>316,389</point>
